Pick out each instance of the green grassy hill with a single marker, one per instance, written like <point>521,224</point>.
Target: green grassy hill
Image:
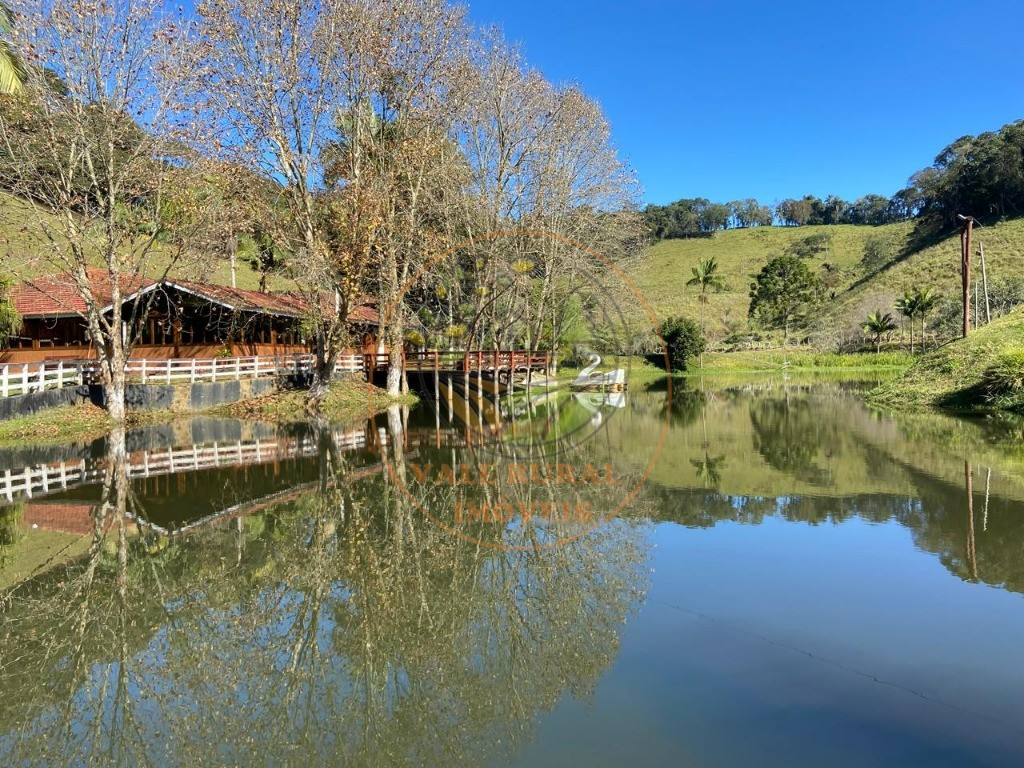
<point>24,249</point>
<point>665,268</point>
<point>985,370</point>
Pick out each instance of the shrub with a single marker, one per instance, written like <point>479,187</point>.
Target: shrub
<point>683,340</point>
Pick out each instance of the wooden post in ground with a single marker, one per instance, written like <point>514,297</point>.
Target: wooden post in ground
<point>965,269</point>
<point>984,283</point>
<point>437,397</point>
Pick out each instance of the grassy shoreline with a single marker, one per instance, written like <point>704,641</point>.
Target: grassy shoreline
<point>642,371</point>
<point>775,360</point>
<point>347,399</point>
<point>66,424</point>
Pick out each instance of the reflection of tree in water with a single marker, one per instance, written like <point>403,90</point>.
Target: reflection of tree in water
<point>988,548</point>
<point>790,434</point>
<point>683,404</point>
<point>709,469</point>
<point>10,532</point>
<point>337,629</point>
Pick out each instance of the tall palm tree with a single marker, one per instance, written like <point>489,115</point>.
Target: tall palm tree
<point>926,299</point>
<point>906,305</point>
<point>705,274</point>
<point>877,324</point>
<point>12,71</point>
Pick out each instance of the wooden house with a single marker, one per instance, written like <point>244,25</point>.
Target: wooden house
<point>168,319</point>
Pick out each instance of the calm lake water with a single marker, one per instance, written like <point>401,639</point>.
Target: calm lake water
<point>733,573</point>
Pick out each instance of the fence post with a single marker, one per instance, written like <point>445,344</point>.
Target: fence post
<point>25,387</point>
<point>192,371</point>
<point>213,369</point>
<point>4,379</point>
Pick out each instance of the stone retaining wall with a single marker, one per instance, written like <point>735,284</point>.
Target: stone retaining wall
<point>142,397</point>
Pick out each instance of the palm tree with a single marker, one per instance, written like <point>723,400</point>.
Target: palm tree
<point>705,274</point>
<point>12,71</point>
<point>926,299</point>
<point>907,306</point>
<point>877,324</point>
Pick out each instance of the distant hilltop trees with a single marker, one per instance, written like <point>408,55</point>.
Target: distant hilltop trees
<point>981,176</point>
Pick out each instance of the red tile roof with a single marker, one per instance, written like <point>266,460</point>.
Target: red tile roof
<point>70,517</point>
<point>288,303</point>
<point>55,295</point>
<point>243,300</point>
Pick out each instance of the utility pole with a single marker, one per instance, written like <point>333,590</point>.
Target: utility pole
<point>965,267</point>
<point>984,281</point>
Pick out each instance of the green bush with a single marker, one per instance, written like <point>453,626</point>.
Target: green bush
<point>683,340</point>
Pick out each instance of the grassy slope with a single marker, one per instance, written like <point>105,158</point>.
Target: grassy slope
<point>740,253</point>
<point>954,374</point>
<point>23,250</point>
<point>665,268</point>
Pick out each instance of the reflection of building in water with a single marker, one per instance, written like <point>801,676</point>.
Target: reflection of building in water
<point>44,479</point>
<point>290,654</point>
<point>67,517</point>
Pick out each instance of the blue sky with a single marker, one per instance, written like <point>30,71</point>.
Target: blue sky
<point>779,99</point>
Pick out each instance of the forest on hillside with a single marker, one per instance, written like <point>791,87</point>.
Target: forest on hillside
<point>980,176</point>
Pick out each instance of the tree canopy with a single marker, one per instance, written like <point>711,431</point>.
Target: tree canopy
<point>981,176</point>
<point>784,292</point>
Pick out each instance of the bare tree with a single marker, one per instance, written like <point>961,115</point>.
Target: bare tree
<point>264,87</point>
<point>541,161</point>
<point>86,147</point>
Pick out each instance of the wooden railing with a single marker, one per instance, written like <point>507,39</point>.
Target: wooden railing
<point>191,370</point>
<point>37,377</point>
<point>477,360</point>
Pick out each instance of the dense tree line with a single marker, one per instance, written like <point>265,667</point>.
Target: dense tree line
<point>980,176</point>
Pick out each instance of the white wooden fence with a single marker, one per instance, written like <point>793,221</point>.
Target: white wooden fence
<point>37,377</point>
<point>191,370</point>
<point>20,379</point>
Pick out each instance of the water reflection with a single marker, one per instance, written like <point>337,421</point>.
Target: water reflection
<point>277,598</point>
<point>336,627</point>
